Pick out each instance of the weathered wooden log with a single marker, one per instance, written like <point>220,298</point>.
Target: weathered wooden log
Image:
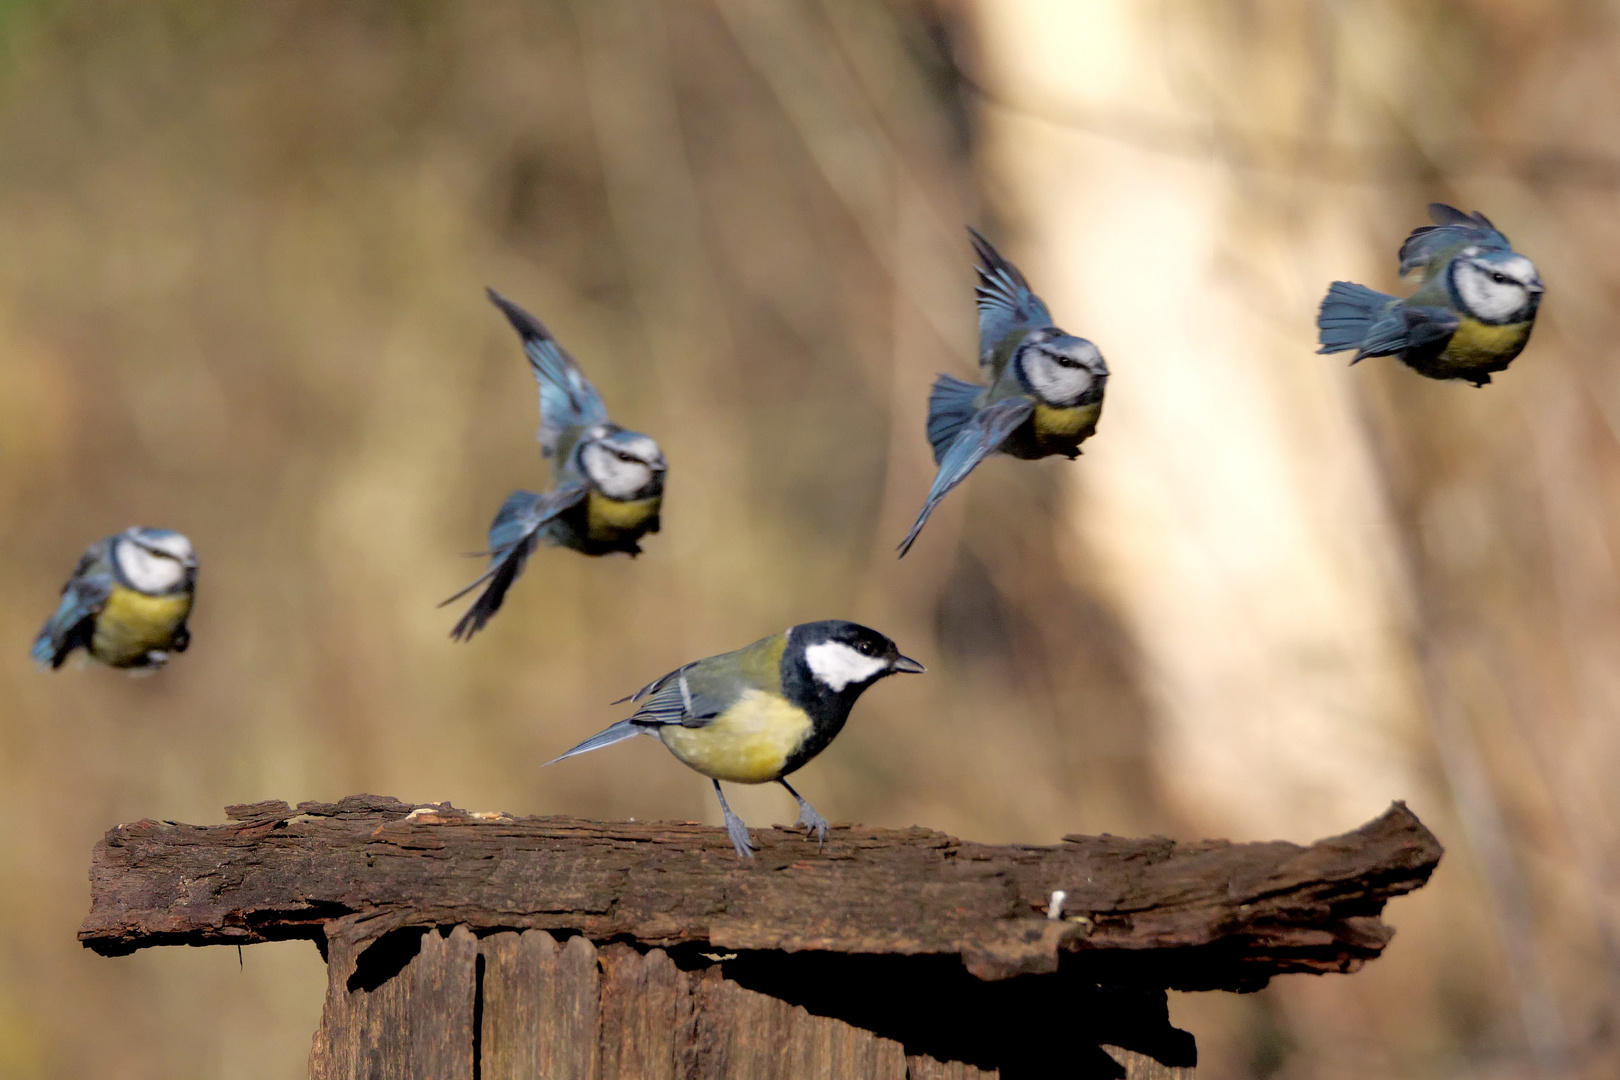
<point>1136,913</point>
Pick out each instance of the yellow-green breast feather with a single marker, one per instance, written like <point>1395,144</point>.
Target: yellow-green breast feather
<point>1055,423</point>
<point>749,743</point>
<point>1474,343</point>
<point>132,624</point>
<point>607,519</point>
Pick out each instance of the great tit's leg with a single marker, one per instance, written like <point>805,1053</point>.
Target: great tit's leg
<point>735,827</point>
<point>813,822</point>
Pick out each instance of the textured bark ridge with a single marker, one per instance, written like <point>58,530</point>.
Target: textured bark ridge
<point>1149,914</point>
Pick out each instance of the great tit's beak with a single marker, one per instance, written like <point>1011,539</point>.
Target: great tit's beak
<point>908,665</point>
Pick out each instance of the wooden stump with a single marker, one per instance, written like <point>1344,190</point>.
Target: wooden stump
<point>486,947</point>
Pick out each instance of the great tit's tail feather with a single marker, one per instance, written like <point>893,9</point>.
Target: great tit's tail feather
<point>618,732</point>
<point>1348,316</point>
<point>950,407</point>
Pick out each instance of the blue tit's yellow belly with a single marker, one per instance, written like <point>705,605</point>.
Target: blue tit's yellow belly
<point>1069,426</point>
<point>749,743</point>
<point>607,520</point>
<point>1475,344</point>
<point>132,624</point>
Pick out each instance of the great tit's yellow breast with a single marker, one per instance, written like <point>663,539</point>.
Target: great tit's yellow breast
<point>132,624</point>
<point>1066,425</point>
<point>749,743</point>
<point>1474,343</point>
<point>608,519</point>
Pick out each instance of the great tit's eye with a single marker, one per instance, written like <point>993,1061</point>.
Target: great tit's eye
<point>866,648</point>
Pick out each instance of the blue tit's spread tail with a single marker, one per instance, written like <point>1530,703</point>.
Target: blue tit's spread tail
<point>950,407</point>
<point>1348,315</point>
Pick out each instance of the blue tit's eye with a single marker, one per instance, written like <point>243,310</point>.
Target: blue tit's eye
<point>1500,279</point>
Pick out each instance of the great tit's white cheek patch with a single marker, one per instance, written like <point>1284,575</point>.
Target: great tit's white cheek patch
<point>147,572</point>
<point>836,665</point>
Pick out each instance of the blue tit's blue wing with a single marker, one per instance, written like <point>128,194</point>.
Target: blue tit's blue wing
<point>567,398</point>
<point>980,437</point>
<point>513,536</point>
<point>70,625</point>
<point>1008,308</point>
<point>1452,231</point>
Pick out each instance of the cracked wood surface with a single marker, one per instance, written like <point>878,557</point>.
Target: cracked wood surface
<point>1153,912</point>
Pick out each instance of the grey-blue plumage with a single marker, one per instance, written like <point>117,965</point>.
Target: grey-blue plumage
<point>609,482</point>
<point>126,602</point>
<point>1470,316</point>
<point>1045,387</point>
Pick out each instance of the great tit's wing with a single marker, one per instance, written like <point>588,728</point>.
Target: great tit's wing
<point>1431,246</point>
<point>83,597</point>
<point>513,536</point>
<point>682,697</point>
<point>567,398</point>
<point>1008,307</point>
<point>980,437</point>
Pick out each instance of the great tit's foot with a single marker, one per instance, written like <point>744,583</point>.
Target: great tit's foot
<point>735,829</point>
<point>814,824</point>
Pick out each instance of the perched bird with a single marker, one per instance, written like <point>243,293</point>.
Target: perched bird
<point>1045,393</point>
<point>1472,312</point>
<point>126,603</point>
<point>609,482</point>
<point>755,715</point>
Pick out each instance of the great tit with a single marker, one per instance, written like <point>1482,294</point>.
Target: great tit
<point>609,482</point>
<point>126,603</point>
<point>755,715</point>
<point>1045,393</point>
<point>1472,312</point>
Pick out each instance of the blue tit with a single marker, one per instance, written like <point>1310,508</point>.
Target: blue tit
<point>608,486</point>
<point>126,603</point>
<point>1045,393</point>
<point>758,714</point>
<point>1472,312</point>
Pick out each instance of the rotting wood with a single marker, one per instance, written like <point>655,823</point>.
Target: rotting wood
<point>1147,913</point>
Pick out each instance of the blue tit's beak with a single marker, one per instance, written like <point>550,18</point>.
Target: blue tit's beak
<point>907,665</point>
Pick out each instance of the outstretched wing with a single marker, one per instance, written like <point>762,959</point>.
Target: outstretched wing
<point>980,437</point>
<point>512,539</point>
<point>69,626</point>
<point>567,398</point>
<point>1431,245</point>
<point>1008,308</point>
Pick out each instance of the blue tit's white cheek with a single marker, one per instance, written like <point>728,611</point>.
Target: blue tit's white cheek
<point>1487,299</point>
<point>146,572</point>
<point>171,543</point>
<point>836,665</point>
<point>1055,383</point>
<point>617,478</point>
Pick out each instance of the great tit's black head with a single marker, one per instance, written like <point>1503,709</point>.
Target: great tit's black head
<point>842,657</point>
<point>1061,369</point>
<point>1495,286</point>
<point>154,561</point>
<point>622,464</point>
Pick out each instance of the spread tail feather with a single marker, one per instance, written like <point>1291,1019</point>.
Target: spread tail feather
<point>619,732</point>
<point>1348,312</point>
<point>950,405</point>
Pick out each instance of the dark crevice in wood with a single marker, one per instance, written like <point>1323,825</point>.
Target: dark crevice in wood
<point>386,957</point>
<point>478,1018</point>
<point>934,1007</point>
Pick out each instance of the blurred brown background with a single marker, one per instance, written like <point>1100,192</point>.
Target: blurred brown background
<point>242,255</point>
